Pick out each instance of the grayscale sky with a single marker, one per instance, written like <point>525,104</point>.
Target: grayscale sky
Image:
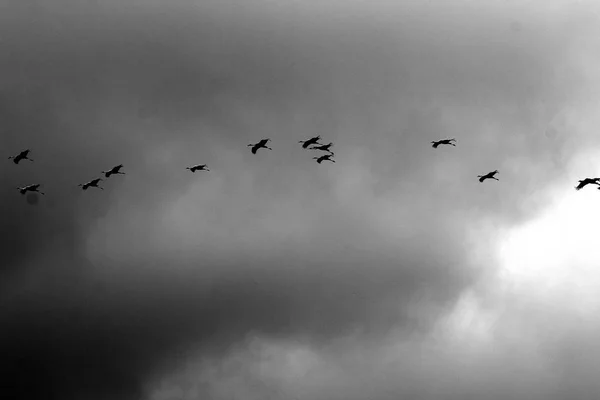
<point>391,274</point>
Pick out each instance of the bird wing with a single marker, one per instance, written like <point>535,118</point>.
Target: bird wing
<point>254,149</point>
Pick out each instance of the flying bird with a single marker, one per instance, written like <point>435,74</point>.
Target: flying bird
<point>114,171</point>
<point>261,144</point>
<point>30,188</point>
<point>489,175</point>
<point>199,167</point>
<point>92,183</point>
<point>310,142</point>
<point>450,142</point>
<point>587,181</point>
<point>21,156</point>
<point>326,157</point>
<point>323,147</point>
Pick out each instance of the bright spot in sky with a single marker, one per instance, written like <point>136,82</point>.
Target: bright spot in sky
<point>556,257</point>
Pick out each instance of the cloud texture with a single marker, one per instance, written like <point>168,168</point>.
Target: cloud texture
<point>106,293</point>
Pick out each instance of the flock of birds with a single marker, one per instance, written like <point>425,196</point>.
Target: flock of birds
<point>262,144</point>
<point>116,170</point>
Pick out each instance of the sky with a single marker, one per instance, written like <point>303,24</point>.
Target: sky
<point>391,273</point>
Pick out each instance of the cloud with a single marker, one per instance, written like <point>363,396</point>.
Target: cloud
<point>105,290</point>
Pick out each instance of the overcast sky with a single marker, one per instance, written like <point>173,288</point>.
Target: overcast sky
<point>390,274</point>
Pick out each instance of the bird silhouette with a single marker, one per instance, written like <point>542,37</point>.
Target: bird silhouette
<point>261,144</point>
<point>199,167</point>
<point>31,188</point>
<point>587,181</point>
<point>443,141</point>
<point>114,171</point>
<point>310,142</point>
<point>92,183</point>
<point>21,156</point>
<point>323,147</point>
<point>326,157</point>
<point>489,175</point>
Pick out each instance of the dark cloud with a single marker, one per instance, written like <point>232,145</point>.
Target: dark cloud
<point>102,289</point>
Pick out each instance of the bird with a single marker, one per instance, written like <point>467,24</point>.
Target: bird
<point>31,188</point>
<point>310,142</point>
<point>443,141</point>
<point>199,167</point>
<point>21,156</point>
<point>114,171</point>
<point>586,181</point>
<point>92,183</point>
<point>326,157</point>
<point>489,175</point>
<point>323,147</point>
<point>261,144</point>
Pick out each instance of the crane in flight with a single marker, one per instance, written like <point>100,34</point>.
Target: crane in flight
<point>324,147</point>
<point>31,188</point>
<point>198,167</point>
<point>310,142</point>
<point>23,155</point>
<point>588,181</point>
<point>262,144</point>
<point>92,183</point>
<point>326,157</point>
<point>116,170</point>
<point>450,142</point>
<point>489,175</point>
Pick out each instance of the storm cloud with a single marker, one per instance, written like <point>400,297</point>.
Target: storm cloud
<point>105,294</point>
